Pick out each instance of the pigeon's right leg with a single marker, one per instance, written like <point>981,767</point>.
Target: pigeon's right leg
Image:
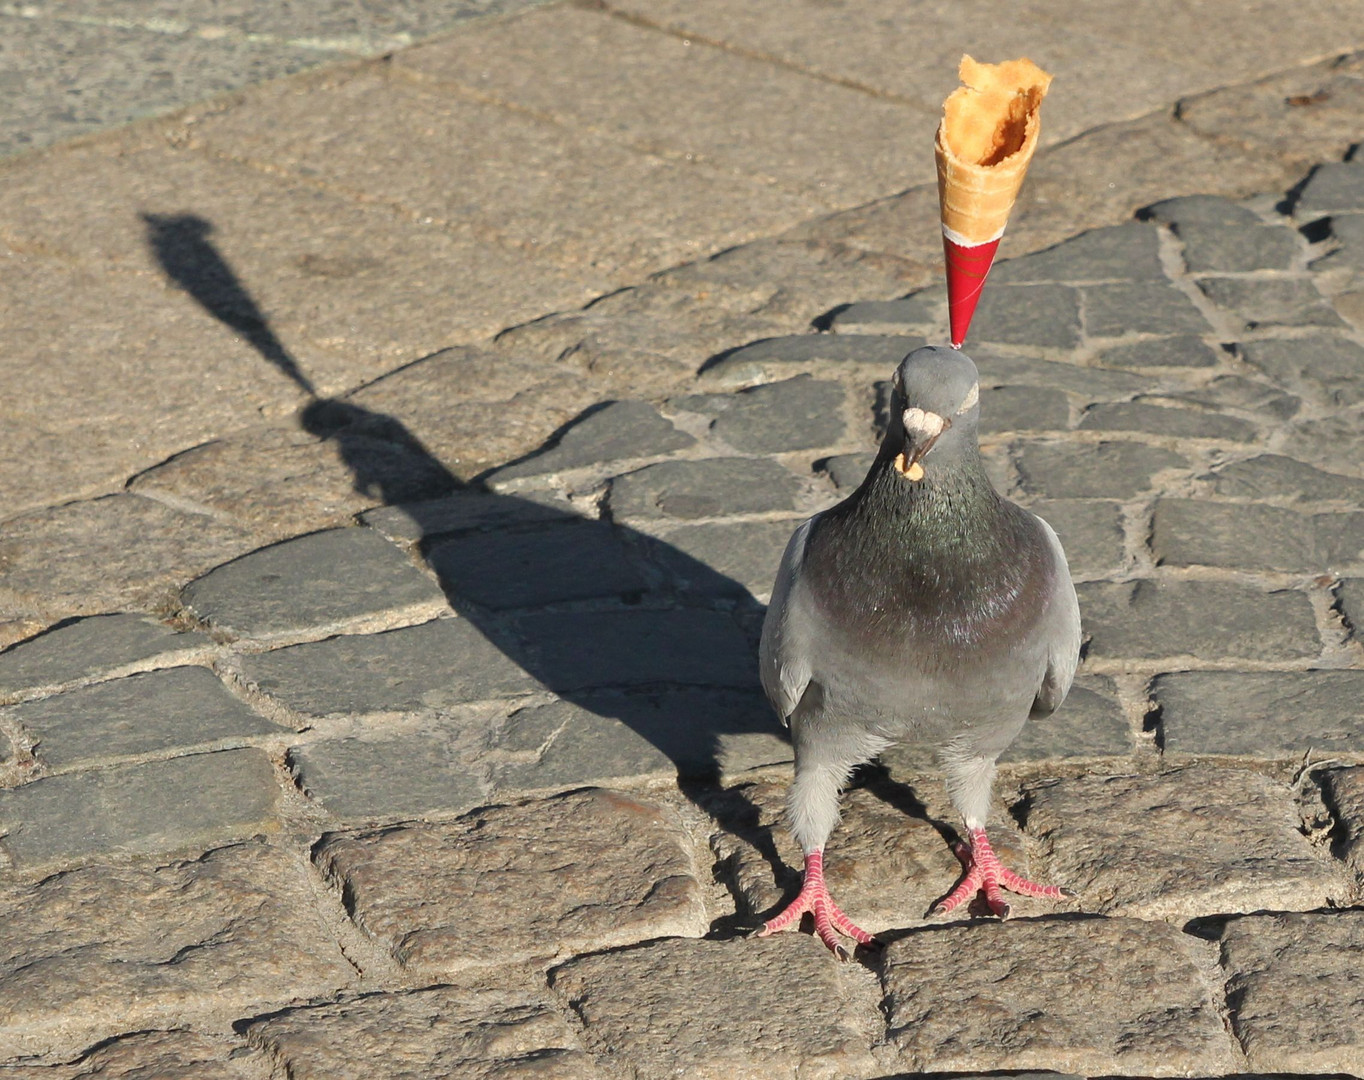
<point>812,807</point>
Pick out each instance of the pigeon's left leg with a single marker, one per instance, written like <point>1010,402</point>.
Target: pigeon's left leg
<point>812,808</point>
<point>968,782</point>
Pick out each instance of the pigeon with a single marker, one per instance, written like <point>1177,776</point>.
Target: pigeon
<point>924,608</point>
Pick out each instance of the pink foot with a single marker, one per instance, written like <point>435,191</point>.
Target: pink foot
<point>985,873</point>
<point>814,897</point>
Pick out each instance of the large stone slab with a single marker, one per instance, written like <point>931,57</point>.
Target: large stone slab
<point>724,558</point>
<point>1294,990</point>
<point>177,709</point>
<point>1193,532</point>
<point>535,567</point>
<point>1129,252</point>
<point>711,487</point>
<point>1089,724</point>
<point>1269,714</point>
<point>1140,308</point>
<point>137,809</point>
<point>605,737</point>
<point>1161,420</point>
<point>725,1010</point>
<point>801,413</point>
<point>1097,997</point>
<point>1329,369</point>
<point>1091,533</point>
<point>154,1055</point>
<point>617,430</point>
<point>593,869</point>
<point>1205,619</point>
<point>1344,792</point>
<point>412,775</point>
<point>475,1029</point>
<point>436,664</point>
<point>116,553</point>
<point>101,644</point>
<point>1275,476</point>
<point>874,337</point>
<point>320,580</point>
<point>1041,315</point>
<point>1112,470</point>
<point>574,651</point>
<point>1278,301</point>
<point>107,949</point>
<point>1179,844</point>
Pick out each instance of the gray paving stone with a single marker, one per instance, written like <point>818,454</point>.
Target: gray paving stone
<point>1348,231</point>
<point>405,776</point>
<point>471,1030</point>
<point>1162,420</point>
<point>155,1055</point>
<point>318,580</point>
<point>1311,960</point>
<point>136,809</point>
<point>1115,470</point>
<point>924,311</point>
<point>1044,315</point>
<point>1271,301</point>
<point>1343,790</point>
<point>998,369</point>
<point>434,665</point>
<point>587,650</point>
<point>1274,476</point>
<point>467,511</point>
<point>592,869</point>
<point>545,565</point>
<point>1179,844</point>
<point>724,558</point>
<point>6,749</point>
<point>1023,408</point>
<point>727,1012</point>
<point>711,487</point>
<point>177,709</point>
<point>103,950</point>
<point>1194,532</point>
<point>88,647</point>
<point>1218,235</point>
<point>847,471</point>
<point>1211,620</point>
<point>1261,714</point>
<point>1248,395</point>
<point>1128,252</point>
<point>1331,187</point>
<point>955,1001</point>
<point>605,738</point>
<point>1322,442</point>
<point>1090,724</point>
<point>1091,532</point>
<point>1350,598</point>
<point>771,358</point>
<point>1180,350</point>
<point>1324,368</point>
<point>621,429</point>
<point>1140,308</point>
<point>800,413</point>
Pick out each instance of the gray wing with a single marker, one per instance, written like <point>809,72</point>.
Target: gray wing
<point>782,662</point>
<point>1063,632</point>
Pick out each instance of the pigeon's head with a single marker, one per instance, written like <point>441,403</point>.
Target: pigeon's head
<point>934,407</point>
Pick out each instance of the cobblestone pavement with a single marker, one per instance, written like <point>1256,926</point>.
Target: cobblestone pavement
<point>416,732</point>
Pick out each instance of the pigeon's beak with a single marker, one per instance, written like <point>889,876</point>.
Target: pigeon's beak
<point>922,430</point>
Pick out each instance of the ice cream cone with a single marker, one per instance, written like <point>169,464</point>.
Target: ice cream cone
<point>985,142</point>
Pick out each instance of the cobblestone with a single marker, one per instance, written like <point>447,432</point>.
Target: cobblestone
<point>319,580</point>
<point>101,950</point>
<point>718,1009</point>
<point>1312,960</point>
<point>171,805</point>
<point>1271,301</point>
<point>1181,350</point>
<point>725,558</point>
<point>1327,368</point>
<point>712,487</point>
<point>1189,532</point>
<point>1211,620</point>
<point>954,1001</point>
<point>1334,186</point>
<point>800,413</point>
<point>1160,420</point>
<point>1113,470</point>
<point>855,343</point>
<point>1140,308</point>
<point>1174,845</point>
<point>99,645</point>
<point>1129,252</point>
<point>469,1030</point>
<point>1278,714</point>
<point>589,870</point>
<point>1220,236</point>
<point>1041,315</point>
<point>179,709</point>
<point>1090,530</point>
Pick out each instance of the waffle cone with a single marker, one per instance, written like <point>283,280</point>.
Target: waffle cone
<point>985,142</point>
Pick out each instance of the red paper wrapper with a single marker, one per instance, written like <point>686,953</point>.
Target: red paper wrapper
<point>967,269</point>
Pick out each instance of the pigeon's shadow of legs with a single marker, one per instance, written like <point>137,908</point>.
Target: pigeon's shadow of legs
<point>502,563</point>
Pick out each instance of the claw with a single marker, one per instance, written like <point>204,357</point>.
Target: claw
<point>984,873</point>
<point>829,919</point>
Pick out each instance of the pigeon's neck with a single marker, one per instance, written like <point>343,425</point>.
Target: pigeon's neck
<point>899,555</point>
